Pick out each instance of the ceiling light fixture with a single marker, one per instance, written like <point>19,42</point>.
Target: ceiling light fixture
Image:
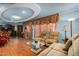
<point>24,12</point>
<point>71,20</point>
<point>16,17</point>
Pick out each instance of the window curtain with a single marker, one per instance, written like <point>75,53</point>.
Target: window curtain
<point>51,27</point>
<point>46,24</point>
<point>44,28</point>
<point>37,30</point>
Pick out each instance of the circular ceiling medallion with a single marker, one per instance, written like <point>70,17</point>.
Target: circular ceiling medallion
<point>20,12</point>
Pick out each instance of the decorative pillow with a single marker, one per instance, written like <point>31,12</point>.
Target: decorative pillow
<point>67,45</point>
<point>44,37</point>
<point>47,35</point>
<point>75,47</point>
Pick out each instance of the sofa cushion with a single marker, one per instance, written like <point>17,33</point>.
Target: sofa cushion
<point>51,37</point>
<point>75,47</point>
<point>67,45</point>
<point>52,45</point>
<point>55,45</point>
<point>55,53</point>
<point>38,38</point>
<point>70,51</point>
<point>59,47</point>
<point>45,52</point>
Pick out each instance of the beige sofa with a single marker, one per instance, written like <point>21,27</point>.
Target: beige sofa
<point>71,48</point>
<point>52,37</point>
<point>48,38</point>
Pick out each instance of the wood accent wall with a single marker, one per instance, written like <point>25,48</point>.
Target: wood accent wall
<point>44,24</point>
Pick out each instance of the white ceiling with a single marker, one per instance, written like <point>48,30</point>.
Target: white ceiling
<point>65,10</point>
<point>19,12</point>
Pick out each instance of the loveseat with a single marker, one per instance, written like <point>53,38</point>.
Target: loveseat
<point>71,48</point>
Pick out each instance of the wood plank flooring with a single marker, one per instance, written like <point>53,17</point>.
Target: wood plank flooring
<point>17,47</point>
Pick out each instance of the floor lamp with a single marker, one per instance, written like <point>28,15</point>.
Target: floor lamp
<point>71,20</point>
<point>65,30</point>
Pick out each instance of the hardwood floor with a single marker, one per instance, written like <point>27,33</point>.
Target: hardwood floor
<point>17,47</point>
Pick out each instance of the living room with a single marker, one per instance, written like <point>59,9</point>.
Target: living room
<point>39,29</point>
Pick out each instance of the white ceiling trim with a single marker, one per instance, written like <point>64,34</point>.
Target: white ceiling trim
<point>32,6</point>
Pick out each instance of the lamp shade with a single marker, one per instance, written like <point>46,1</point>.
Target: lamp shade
<point>65,28</point>
<point>71,19</point>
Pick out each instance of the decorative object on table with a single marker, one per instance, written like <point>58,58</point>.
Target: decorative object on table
<point>36,46</point>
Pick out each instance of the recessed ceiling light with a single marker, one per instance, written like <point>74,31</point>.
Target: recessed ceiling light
<point>24,12</point>
<point>16,17</point>
<point>72,19</point>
